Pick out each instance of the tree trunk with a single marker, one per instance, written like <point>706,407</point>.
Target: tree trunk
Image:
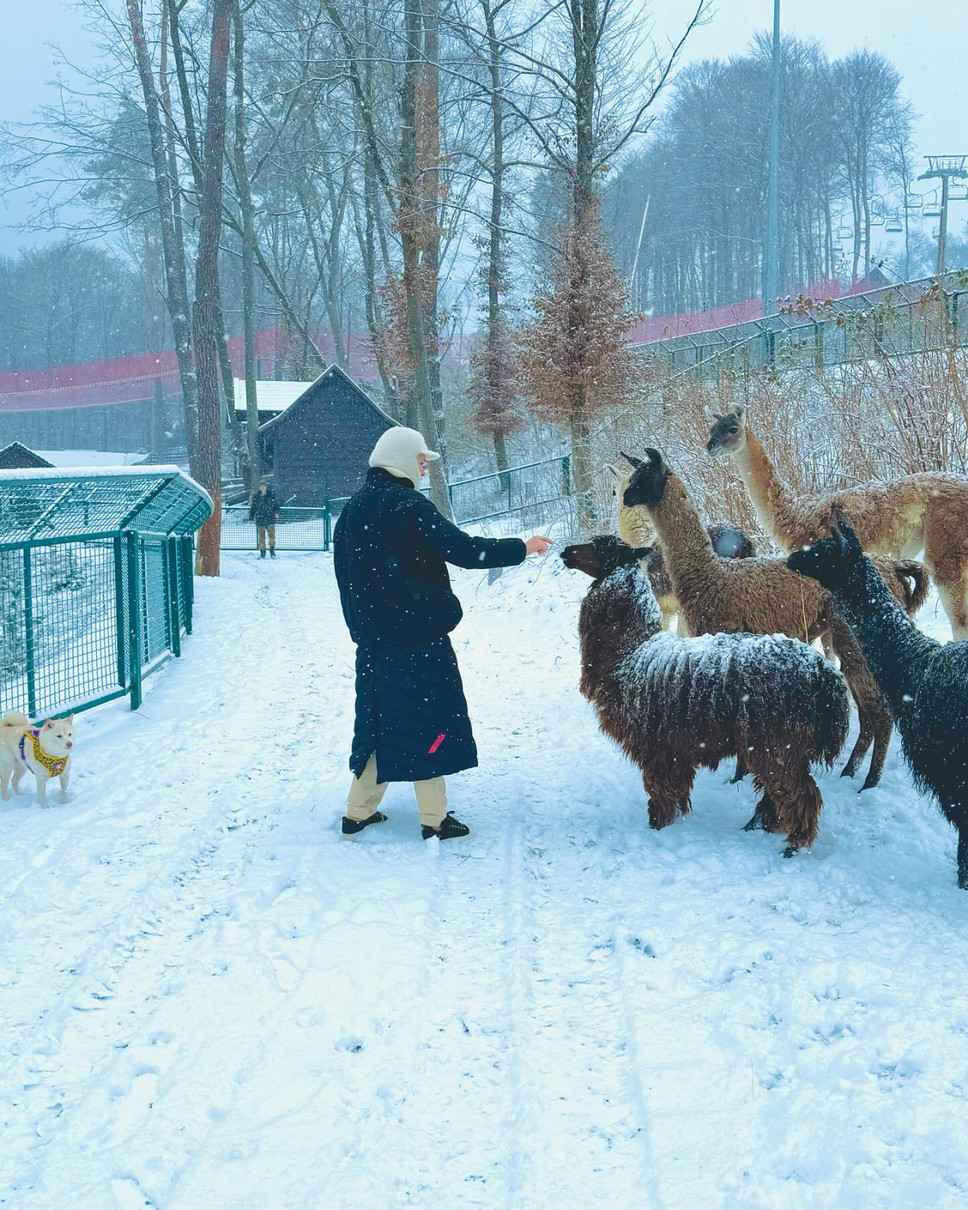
<point>176,277</point>
<point>248,263</point>
<point>207,334</point>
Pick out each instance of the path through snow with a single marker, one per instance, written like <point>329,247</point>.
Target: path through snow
<point>213,1003</point>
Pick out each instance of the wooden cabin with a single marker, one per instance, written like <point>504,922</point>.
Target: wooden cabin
<point>317,449</point>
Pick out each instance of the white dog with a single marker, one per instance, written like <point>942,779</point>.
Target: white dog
<point>44,750</point>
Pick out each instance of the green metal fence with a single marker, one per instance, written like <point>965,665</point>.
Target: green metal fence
<point>85,620</point>
<point>893,320</point>
<point>483,498</point>
<point>296,529</point>
<point>96,585</point>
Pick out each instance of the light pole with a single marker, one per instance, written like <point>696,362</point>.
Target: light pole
<point>771,253</point>
<point>945,167</point>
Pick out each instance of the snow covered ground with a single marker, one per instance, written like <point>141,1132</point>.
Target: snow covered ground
<point>211,1002</point>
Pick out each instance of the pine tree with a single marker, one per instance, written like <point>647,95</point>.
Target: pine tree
<point>576,362</point>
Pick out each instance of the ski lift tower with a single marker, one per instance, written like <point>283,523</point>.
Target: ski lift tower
<point>944,168</point>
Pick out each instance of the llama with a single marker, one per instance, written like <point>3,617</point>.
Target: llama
<point>926,512</point>
<point>925,682</point>
<point>635,527</point>
<point>763,596</point>
<point>677,704</point>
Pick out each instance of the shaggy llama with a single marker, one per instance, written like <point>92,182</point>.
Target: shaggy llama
<point>926,682</point>
<point>677,704</point>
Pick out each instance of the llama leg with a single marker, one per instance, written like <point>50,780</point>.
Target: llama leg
<point>763,817</point>
<point>954,598</point>
<point>875,718</point>
<point>963,855</point>
<point>740,771</point>
<point>668,788</point>
<point>797,799</point>
<point>883,725</point>
<point>864,740</point>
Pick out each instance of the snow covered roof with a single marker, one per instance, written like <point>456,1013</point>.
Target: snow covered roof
<point>271,396</point>
<point>59,502</point>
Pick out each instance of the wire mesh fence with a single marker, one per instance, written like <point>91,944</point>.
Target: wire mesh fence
<point>296,529</point>
<point>520,490</point>
<point>84,620</point>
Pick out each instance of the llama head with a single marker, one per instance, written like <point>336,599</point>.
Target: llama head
<point>601,556</point>
<point>830,560</point>
<point>648,479</point>
<point>728,434</point>
<point>617,480</point>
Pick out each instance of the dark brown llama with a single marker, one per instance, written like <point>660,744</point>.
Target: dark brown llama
<point>677,704</point>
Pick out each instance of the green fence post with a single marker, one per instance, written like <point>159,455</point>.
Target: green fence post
<point>173,603</point>
<point>120,626</point>
<point>188,580</point>
<point>327,533</point>
<point>134,616</point>
<point>566,474</point>
<point>29,634</point>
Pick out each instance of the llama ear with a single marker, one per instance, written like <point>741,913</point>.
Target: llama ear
<point>739,411</point>
<point>631,459</point>
<point>654,456</point>
<point>845,533</point>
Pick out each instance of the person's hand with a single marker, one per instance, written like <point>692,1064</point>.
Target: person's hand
<point>537,545</point>
<point>276,517</point>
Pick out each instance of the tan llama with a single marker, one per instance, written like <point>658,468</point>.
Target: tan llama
<point>635,528</point>
<point>927,512</point>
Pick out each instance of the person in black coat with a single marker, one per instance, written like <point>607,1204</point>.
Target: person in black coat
<point>264,511</point>
<point>391,547</point>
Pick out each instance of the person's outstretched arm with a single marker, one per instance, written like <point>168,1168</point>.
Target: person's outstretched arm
<point>454,546</point>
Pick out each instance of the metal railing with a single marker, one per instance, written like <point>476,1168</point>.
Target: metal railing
<point>894,320</point>
<point>85,620</point>
<point>501,493</point>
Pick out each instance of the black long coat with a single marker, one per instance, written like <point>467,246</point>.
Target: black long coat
<point>391,548</point>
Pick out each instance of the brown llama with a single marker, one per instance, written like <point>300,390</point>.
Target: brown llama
<point>636,529</point>
<point>678,704</point>
<point>763,596</point>
<point>926,512</point>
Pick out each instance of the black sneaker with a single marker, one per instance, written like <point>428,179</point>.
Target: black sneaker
<point>451,828</point>
<point>352,826</point>
<point>272,552</point>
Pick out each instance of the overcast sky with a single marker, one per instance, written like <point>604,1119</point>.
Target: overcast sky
<point>926,40</point>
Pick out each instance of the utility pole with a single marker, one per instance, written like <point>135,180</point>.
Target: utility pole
<point>771,253</point>
<point>944,167</point>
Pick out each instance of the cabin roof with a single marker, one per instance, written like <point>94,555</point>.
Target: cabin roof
<point>332,374</point>
<point>17,456</point>
<point>271,395</point>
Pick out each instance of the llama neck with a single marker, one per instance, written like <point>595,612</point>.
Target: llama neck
<point>685,540</point>
<point>892,645</point>
<point>618,614</point>
<point>635,525</point>
<point>774,502</point>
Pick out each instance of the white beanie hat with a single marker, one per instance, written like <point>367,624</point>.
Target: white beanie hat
<point>397,450</point>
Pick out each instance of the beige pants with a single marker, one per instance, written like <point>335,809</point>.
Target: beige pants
<point>261,531</point>
<point>366,794</point>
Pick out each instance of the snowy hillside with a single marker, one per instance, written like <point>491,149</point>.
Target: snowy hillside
<point>212,1002</point>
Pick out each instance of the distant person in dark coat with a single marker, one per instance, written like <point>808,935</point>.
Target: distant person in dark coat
<point>264,511</point>
<point>391,548</point>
